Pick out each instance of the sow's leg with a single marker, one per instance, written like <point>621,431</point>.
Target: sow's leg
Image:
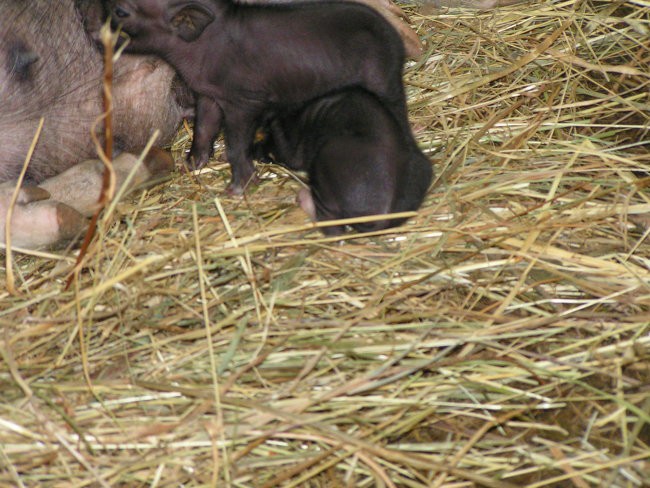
<point>55,212</point>
<point>50,67</point>
<point>37,221</point>
<point>80,186</point>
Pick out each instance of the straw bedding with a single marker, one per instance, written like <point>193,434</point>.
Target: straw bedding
<point>500,338</point>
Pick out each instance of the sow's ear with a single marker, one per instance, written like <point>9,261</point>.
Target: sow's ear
<point>189,20</point>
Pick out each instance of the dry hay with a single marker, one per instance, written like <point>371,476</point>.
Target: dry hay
<point>501,338</point>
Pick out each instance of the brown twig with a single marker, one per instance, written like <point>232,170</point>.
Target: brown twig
<point>105,154</point>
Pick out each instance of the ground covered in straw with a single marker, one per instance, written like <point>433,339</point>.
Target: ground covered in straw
<point>500,338</point>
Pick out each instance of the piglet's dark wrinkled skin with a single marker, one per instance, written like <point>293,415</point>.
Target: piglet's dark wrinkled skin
<point>242,60</point>
<point>358,159</point>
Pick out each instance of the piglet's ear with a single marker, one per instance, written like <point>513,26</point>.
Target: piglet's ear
<point>189,21</point>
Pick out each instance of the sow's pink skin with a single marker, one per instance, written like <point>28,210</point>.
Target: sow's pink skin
<point>50,67</point>
<point>56,211</point>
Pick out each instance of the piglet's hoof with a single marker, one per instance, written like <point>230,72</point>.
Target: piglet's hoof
<point>193,163</point>
<point>236,189</point>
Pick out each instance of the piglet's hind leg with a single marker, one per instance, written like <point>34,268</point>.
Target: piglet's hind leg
<point>240,134</point>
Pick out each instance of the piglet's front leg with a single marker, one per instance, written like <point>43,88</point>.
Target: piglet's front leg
<point>207,124</point>
<point>240,130</point>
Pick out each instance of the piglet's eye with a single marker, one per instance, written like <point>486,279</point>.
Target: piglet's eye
<point>120,13</point>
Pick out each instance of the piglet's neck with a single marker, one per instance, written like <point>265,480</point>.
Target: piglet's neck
<point>195,61</point>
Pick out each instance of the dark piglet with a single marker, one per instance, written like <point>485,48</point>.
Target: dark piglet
<point>358,159</point>
<point>242,60</point>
